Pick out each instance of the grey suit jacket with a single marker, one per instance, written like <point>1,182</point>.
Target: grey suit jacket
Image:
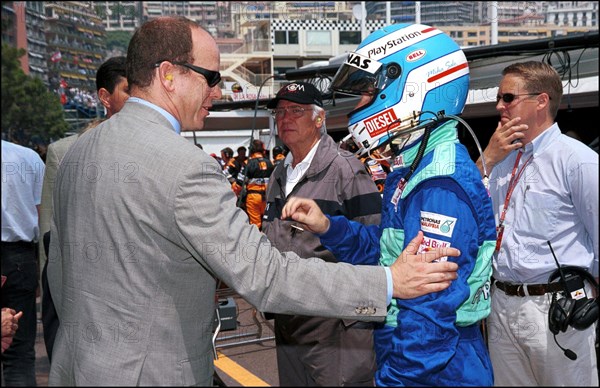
<point>54,155</point>
<point>144,223</point>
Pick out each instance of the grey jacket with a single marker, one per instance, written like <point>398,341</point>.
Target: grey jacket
<point>338,182</point>
<point>144,223</point>
<point>55,153</point>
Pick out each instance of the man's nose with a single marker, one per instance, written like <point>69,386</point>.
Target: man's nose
<point>217,93</point>
<point>501,105</point>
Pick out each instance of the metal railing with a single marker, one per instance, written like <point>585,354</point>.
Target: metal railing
<point>238,338</point>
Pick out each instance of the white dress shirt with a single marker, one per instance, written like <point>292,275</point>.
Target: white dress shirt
<point>556,200</point>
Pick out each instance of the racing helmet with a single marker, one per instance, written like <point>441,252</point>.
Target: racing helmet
<point>405,74</point>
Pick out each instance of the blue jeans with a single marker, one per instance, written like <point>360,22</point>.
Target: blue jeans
<point>19,265</point>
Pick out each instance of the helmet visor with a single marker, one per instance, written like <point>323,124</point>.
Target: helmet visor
<point>357,76</point>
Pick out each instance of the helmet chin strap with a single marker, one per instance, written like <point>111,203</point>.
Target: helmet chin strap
<point>408,133</point>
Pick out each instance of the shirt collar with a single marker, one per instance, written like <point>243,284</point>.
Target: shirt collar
<point>168,116</point>
<point>542,141</point>
<point>307,159</point>
<point>295,174</point>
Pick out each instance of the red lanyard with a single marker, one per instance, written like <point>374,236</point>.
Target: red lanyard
<point>514,179</point>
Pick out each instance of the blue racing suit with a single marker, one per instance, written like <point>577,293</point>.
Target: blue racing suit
<point>434,339</point>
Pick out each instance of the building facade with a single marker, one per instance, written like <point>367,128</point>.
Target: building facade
<point>76,44</point>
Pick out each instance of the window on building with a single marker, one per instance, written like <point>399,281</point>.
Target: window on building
<point>318,38</point>
<point>286,37</point>
<point>350,37</point>
<point>282,69</point>
<point>280,37</point>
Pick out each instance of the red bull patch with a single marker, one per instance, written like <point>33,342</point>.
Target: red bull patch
<point>428,244</point>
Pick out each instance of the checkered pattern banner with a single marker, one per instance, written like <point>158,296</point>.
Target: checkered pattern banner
<point>326,25</point>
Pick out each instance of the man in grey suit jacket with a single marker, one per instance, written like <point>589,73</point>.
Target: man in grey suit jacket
<point>145,222</point>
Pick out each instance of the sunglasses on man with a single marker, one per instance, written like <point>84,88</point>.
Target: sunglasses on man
<point>213,78</point>
<point>509,97</point>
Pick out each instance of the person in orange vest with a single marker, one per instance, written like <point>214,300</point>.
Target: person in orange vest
<point>377,167</point>
<point>252,183</point>
<point>231,169</point>
<point>226,156</point>
<point>375,164</point>
<point>279,154</point>
<point>241,155</point>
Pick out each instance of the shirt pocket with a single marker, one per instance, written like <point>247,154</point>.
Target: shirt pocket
<point>538,217</point>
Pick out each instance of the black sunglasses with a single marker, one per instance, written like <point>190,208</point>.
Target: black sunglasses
<point>212,77</point>
<point>509,97</point>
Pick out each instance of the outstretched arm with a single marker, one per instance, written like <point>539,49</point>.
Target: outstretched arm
<point>307,212</point>
<point>413,274</point>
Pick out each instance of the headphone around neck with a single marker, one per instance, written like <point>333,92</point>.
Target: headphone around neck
<point>565,311</point>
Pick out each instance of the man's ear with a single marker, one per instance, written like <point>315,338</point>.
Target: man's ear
<point>543,101</point>
<point>319,121</point>
<point>104,97</point>
<point>165,74</point>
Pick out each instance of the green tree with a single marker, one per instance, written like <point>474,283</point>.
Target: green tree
<point>31,114</point>
<point>118,40</point>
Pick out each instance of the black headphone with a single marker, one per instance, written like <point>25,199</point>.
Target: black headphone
<point>565,311</point>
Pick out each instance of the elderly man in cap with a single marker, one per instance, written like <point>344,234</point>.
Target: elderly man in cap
<point>315,351</point>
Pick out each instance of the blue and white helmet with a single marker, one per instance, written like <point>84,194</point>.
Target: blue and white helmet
<point>406,74</point>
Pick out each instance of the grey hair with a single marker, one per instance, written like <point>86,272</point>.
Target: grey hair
<point>316,111</point>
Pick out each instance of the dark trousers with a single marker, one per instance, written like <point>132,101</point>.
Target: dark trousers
<point>19,265</point>
<point>50,321</point>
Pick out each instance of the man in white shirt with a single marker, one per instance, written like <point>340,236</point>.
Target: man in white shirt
<point>544,188</point>
<point>22,174</point>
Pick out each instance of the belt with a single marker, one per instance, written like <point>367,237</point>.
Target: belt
<point>16,244</point>
<point>529,289</point>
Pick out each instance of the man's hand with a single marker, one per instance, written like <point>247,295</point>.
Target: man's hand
<point>415,275</point>
<point>10,324</point>
<point>6,341</point>
<point>10,321</point>
<point>307,212</point>
<point>505,139</point>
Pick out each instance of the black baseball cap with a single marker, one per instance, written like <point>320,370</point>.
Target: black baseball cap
<point>300,92</point>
